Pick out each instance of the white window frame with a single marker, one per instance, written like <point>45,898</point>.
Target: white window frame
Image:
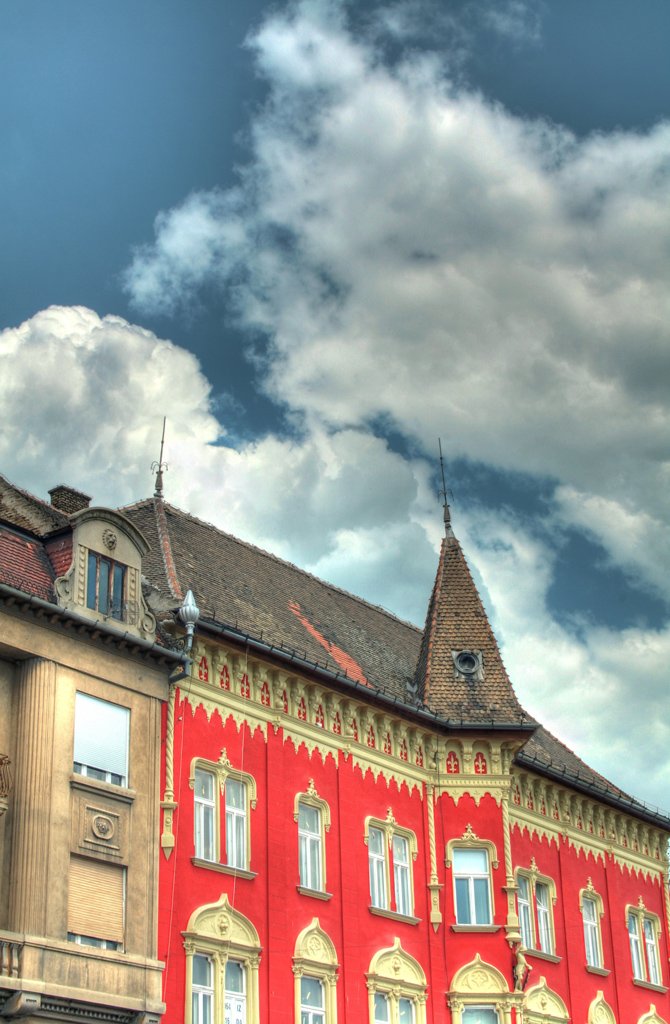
<point>471,877</point>
<point>536,897</point>
<point>308,840</point>
<point>222,770</point>
<point>644,930</point>
<point>108,720</point>
<point>310,847</point>
<point>236,824</point>
<point>395,977</point>
<point>204,811</point>
<point>204,937</point>
<point>384,869</point>
<point>202,996</point>
<point>312,1014</point>
<point>233,995</point>
<point>470,841</point>
<point>314,957</point>
<point>588,897</point>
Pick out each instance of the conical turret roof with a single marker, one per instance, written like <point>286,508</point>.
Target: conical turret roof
<point>460,673</point>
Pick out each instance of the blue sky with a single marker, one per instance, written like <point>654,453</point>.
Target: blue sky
<point>318,236</point>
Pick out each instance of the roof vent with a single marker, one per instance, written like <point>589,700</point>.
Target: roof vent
<point>68,499</point>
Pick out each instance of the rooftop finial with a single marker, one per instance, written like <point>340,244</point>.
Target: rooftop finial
<point>443,494</point>
<point>159,466</point>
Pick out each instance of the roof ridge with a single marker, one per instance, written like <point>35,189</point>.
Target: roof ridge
<point>286,562</point>
<point>59,518</point>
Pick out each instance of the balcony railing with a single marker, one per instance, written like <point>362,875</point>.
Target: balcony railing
<point>10,957</point>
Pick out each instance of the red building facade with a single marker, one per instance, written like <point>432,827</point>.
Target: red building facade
<point>362,824</point>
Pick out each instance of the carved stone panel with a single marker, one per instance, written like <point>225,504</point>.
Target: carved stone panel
<point>100,827</point>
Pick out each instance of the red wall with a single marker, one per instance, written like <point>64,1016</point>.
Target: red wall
<point>279,912</point>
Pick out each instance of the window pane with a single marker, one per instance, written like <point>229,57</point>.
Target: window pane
<point>311,992</point>
<point>635,952</point>
<point>204,784</point>
<point>479,1015</point>
<point>314,864</point>
<point>92,581</point>
<point>234,976</point>
<point>381,1009</point>
<point>405,1011</point>
<point>103,585</point>
<point>545,940</point>
<point>463,914</point>
<point>101,735</point>
<point>117,592</point>
<point>202,971</point>
<point>471,862</point>
<point>400,850</point>
<point>524,909</point>
<point>235,795</point>
<point>403,897</point>
<point>309,819</point>
<point>376,841</point>
<point>482,908</point>
<point>652,951</point>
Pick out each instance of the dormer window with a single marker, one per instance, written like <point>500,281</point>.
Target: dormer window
<point>105,586</point>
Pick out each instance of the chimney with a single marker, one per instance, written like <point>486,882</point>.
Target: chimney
<point>68,500</point>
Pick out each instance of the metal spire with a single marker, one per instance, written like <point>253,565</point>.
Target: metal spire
<point>159,466</point>
<point>443,494</point>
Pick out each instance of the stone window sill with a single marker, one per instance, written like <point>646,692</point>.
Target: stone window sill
<point>648,985</point>
<point>393,916</point>
<point>223,868</point>
<point>88,785</point>
<point>602,971</point>
<point>316,894</point>
<point>540,954</point>
<point>476,927</point>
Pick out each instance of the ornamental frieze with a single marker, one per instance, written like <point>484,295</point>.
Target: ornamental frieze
<point>325,722</point>
<point>546,809</point>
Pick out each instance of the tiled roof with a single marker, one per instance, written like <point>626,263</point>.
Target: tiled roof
<point>24,565</point>
<point>24,510</point>
<point>457,622</point>
<point>242,586</point>
<point>239,585</point>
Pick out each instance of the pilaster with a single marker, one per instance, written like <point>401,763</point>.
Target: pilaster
<point>32,796</point>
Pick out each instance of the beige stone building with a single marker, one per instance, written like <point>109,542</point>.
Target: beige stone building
<point>82,680</point>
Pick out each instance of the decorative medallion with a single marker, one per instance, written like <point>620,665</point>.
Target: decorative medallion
<point>109,539</point>
<point>102,827</point>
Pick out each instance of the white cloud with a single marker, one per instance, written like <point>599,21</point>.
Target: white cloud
<point>600,693</point>
<point>416,253</point>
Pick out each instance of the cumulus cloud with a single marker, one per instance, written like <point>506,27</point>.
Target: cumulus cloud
<point>82,400</point>
<point>599,692</point>
<point>416,253</point>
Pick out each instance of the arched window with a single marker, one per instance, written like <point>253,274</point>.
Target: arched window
<point>396,988</point>
<point>222,958</point>
<point>480,993</point>
<point>315,970</point>
<point>600,1012</point>
<point>542,1006</point>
